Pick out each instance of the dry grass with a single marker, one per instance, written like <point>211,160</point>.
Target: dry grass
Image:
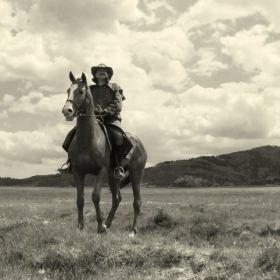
<point>183,234</point>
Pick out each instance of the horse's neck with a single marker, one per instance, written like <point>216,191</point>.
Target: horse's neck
<point>88,129</point>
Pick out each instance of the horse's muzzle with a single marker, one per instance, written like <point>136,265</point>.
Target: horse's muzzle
<point>68,112</point>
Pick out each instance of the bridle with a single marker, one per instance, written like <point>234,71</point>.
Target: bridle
<point>80,109</point>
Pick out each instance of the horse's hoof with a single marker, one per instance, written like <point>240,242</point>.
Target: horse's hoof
<point>132,234</point>
<point>103,229</point>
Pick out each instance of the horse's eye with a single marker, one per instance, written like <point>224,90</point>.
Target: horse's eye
<point>81,92</point>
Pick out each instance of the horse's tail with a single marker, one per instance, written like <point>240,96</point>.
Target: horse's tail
<point>125,181</point>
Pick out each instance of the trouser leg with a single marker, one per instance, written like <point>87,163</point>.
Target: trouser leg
<point>68,139</point>
<point>119,153</point>
<point>66,145</point>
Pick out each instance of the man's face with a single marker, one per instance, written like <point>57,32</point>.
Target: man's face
<point>102,74</point>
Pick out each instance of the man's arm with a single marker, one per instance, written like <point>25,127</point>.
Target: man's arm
<point>115,105</point>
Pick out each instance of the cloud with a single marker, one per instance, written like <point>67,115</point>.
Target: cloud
<point>200,77</point>
<point>17,169</point>
<point>40,52</point>
<point>24,57</point>
<point>207,64</point>
<point>82,17</point>
<point>209,11</point>
<point>167,73</point>
<point>234,111</point>
<point>8,100</point>
<point>33,146</point>
<point>249,50</point>
<point>3,115</point>
<point>163,58</point>
<point>245,47</point>
<point>35,103</point>
<point>171,41</point>
<point>269,9</point>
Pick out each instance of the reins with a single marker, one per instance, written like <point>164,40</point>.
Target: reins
<point>85,115</point>
<point>79,111</point>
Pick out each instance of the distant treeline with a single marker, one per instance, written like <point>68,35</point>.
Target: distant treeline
<point>257,166</point>
<point>54,180</point>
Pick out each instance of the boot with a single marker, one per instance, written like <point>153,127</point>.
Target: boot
<point>119,172</point>
<point>68,169</point>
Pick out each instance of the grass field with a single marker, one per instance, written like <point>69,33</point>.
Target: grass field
<point>221,233</point>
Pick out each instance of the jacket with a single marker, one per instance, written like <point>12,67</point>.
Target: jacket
<point>108,99</point>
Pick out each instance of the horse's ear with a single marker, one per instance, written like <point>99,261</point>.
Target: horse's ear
<point>72,77</point>
<point>84,78</point>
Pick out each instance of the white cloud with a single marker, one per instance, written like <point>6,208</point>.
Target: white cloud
<point>245,47</point>
<point>3,115</point>
<point>33,146</point>
<point>269,9</point>
<point>224,112</point>
<point>207,64</point>
<point>249,50</point>
<point>153,54</point>
<point>18,169</point>
<point>42,52</point>
<point>84,17</point>
<point>153,5</point>
<point>171,41</point>
<point>27,85</point>
<point>209,11</point>
<point>166,72</point>
<point>8,99</point>
<point>35,103</point>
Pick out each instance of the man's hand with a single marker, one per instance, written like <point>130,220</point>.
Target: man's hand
<point>104,113</point>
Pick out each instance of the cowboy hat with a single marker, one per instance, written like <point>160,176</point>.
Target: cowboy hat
<point>101,66</point>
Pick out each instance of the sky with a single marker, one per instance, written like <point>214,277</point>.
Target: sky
<point>200,77</point>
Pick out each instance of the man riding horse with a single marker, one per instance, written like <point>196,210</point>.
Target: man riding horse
<point>107,98</point>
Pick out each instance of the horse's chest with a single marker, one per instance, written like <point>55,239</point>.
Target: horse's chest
<point>86,160</point>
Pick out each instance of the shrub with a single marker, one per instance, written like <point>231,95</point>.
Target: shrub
<point>166,258</point>
<point>49,241</point>
<point>188,181</point>
<point>207,226</point>
<point>15,257</point>
<point>268,230</point>
<point>269,259</point>
<point>163,219</point>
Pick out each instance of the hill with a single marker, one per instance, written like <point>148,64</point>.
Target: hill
<point>257,166</point>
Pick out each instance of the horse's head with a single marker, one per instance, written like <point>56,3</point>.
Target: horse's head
<point>77,96</point>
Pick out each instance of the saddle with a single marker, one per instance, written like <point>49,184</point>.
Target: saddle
<point>110,131</point>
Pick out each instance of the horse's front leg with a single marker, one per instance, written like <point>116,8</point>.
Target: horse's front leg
<point>79,182</point>
<point>114,185</point>
<point>96,200</point>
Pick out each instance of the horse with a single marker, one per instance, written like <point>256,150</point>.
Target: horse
<point>90,153</point>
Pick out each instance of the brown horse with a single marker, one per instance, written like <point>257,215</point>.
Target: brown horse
<point>90,153</point>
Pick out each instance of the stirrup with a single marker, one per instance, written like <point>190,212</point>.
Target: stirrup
<point>119,172</point>
<point>64,171</point>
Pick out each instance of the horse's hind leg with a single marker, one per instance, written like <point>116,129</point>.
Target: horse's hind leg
<point>135,179</point>
<point>116,197</point>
